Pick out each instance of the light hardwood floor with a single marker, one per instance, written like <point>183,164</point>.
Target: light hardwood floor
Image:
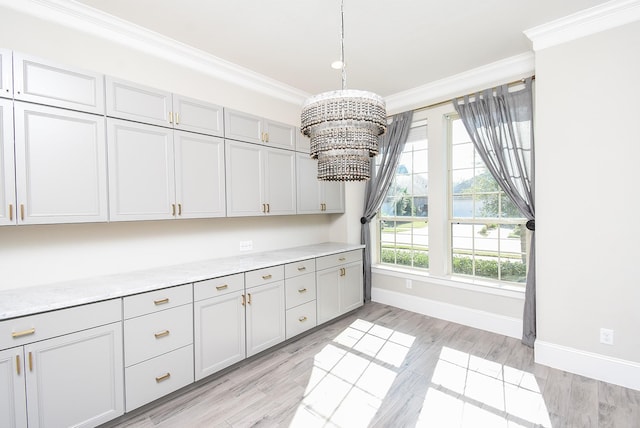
<point>386,367</point>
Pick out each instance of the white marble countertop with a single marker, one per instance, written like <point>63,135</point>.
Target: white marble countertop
<point>42,298</point>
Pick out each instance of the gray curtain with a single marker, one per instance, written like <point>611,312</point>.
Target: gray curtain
<point>500,124</point>
<point>391,145</point>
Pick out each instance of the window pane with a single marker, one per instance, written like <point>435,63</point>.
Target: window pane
<point>463,206</point>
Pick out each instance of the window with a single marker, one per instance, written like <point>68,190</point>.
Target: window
<point>404,231</point>
<point>488,236</point>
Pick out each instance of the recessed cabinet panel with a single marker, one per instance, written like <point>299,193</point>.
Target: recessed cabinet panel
<point>200,180</point>
<point>280,181</point>
<point>303,143</point>
<point>198,116</point>
<point>45,82</point>
<point>7,171</point>
<point>333,192</point>
<point>6,74</point>
<point>127,100</point>
<point>265,317</point>
<point>60,164</point>
<point>243,127</point>
<point>141,171</point>
<point>13,402</point>
<point>316,196</point>
<point>280,135</point>
<point>244,172</point>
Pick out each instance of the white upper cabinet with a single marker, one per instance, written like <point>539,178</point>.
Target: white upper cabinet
<point>200,181</point>
<point>6,74</point>
<point>260,180</point>
<point>60,165</point>
<point>198,116</point>
<point>45,82</point>
<point>303,143</point>
<point>7,172</point>
<point>127,100</point>
<point>316,196</point>
<point>141,171</point>
<point>253,129</point>
<point>131,101</point>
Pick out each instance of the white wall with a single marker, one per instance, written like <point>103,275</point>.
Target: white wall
<point>32,255</point>
<point>587,178</point>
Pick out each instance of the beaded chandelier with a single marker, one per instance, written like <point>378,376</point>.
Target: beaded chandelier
<point>344,126</point>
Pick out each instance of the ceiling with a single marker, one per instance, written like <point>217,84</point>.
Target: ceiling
<point>390,46</point>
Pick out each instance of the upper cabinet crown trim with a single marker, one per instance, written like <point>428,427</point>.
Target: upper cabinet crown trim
<point>93,21</point>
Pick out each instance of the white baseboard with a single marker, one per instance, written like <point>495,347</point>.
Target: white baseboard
<point>596,366</point>
<point>500,324</point>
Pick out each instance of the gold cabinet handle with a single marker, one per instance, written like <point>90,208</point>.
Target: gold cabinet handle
<point>266,276</point>
<point>248,298</point>
<point>342,259</point>
<point>161,301</point>
<point>264,208</point>
<point>17,334</point>
<point>30,362</point>
<point>10,212</point>
<point>179,209</point>
<point>268,209</point>
<point>301,268</point>
<point>243,300</point>
<point>302,290</point>
<point>161,334</point>
<point>222,287</point>
<point>18,365</point>
<point>173,210</point>
<point>22,212</point>
<point>302,319</point>
<point>170,117</point>
<point>266,135</point>
<point>177,118</point>
<point>163,377</point>
<point>342,272</point>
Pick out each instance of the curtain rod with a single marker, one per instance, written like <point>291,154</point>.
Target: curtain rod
<point>441,103</point>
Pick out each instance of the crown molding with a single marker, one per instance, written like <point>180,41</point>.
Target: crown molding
<point>89,20</point>
<point>495,73</point>
<point>589,21</point>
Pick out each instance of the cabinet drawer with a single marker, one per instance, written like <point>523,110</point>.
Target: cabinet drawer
<point>158,333</point>
<point>32,328</point>
<point>218,286</point>
<point>301,318</point>
<point>160,376</point>
<point>299,268</point>
<point>264,276</point>
<point>45,82</point>
<point>158,300</point>
<point>300,289</point>
<point>333,260</point>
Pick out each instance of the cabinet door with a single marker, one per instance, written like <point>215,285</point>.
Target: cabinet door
<point>328,294</point>
<point>199,175</point>
<point>265,317</point>
<point>7,171</point>
<point>141,171</point>
<point>13,402</point>
<point>244,179</point>
<point>219,332</point>
<point>128,100</point>
<point>45,82</point>
<point>333,196</point>
<point>61,165</point>
<point>280,181</point>
<point>243,127</point>
<point>351,287</point>
<point>6,74</point>
<point>198,116</point>
<point>303,143</point>
<point>76,379</point>
<point>308,186</point>
<point>280,135</point>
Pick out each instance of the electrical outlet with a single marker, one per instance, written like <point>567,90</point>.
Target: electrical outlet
<point>246,245</point>
<point>606,336</point>
<point>408,283</point>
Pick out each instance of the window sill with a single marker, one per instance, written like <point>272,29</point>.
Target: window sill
<point>479,286</point>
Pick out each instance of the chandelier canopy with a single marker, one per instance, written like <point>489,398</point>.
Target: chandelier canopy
<point>344,126</point>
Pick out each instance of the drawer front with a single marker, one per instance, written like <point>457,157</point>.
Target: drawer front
<point>299,268</point>
<point>158,377</point>
<point>333,260</point>
<point>218,286</point>
<point>158,333</point>
<point>158,300</point>
<point>300,289</point>
<point>301,318</point>
<point>264,276</point>
<point>32,328</point>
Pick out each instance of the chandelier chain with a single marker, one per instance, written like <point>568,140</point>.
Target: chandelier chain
<point>344,71</point>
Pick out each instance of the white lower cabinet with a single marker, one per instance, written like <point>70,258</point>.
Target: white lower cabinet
<point>74,379</point>
<point>265,308</point>
<point>339,284</point>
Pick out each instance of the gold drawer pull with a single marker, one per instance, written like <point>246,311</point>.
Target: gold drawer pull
<point>222,287</point>
<point>244,300</point>
<point>302,290</point>
<point>18,364</point>
<point>17,334</point>
<point>266,276</point>
<point>10,212</point>
<point>30,362</point>
<point>302,319</point>
<point>161,301</point>
<point>248,298</point>
<point>163,377</point>
<point>301,268</point>
<point>161,334</point>
<point>342,259</point>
